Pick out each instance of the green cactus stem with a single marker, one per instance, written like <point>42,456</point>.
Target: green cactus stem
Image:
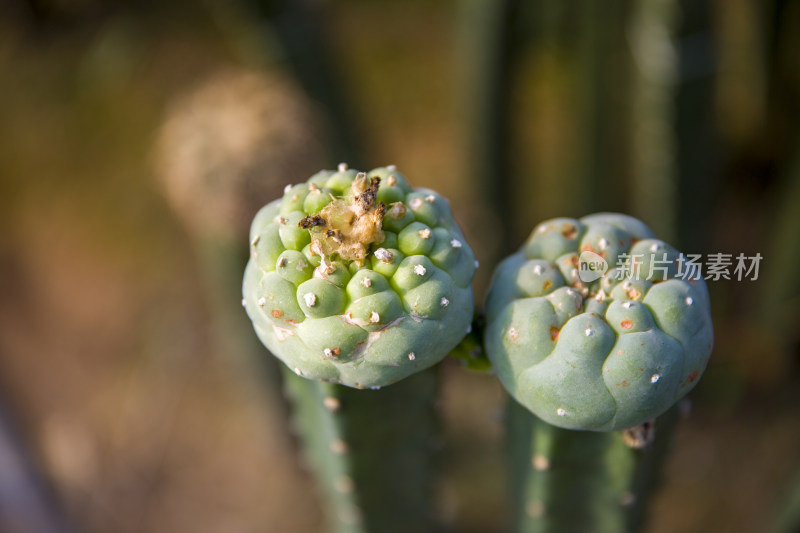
<point>786,516</point>
<point>654,82</point>
<point>648,466</point>
<point>601,89</point>
<point>781,286</point>
<point>301,31</point>
<point>593,482</point>
<point>698,147</point>
<point>488,41</point>
<point>372,452</point>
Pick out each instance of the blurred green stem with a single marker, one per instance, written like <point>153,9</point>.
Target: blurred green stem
<point>780,295</point>
<point>372,451</point>
<point>698,161</point>
<point>652,139</point>
<point>787,517</point>
<point>592,482</point>
<point>602,87</point>
<point>302,31</point>
<point>487,44</point>
<point>295,32</point>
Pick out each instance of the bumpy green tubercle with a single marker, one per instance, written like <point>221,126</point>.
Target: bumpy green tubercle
<point>367,322</point>
<point>602,354</point>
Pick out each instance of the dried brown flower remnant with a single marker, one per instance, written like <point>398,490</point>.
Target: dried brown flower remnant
<point>352,223</point>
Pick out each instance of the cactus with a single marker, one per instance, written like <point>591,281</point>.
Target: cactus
<point>356,278</point>
<point>374,475</point>
<point>358,281</point>
<point>605,353</point>
<point>597,350</point>
<point>566,480</point>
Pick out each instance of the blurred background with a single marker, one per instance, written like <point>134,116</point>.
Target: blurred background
<point>138,138</point>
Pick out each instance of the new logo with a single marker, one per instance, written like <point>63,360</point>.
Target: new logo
<point>591,267</point>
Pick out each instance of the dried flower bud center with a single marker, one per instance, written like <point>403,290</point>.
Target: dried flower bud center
<point>348,226</point>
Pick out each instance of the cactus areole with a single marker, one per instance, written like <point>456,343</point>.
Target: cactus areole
<point>592,325</point>
<point>356,278</point>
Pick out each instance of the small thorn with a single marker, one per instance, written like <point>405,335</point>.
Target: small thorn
<point>331,403</point>
<point>338,446</point>
<point>345,484</point>
<point>540,462</point>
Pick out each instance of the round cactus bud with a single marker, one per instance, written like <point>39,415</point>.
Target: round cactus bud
<point>356,278</point>
<point>591,324</point>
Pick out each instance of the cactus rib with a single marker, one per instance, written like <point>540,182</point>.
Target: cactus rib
<point>371,451</point>
<point>593,482</point>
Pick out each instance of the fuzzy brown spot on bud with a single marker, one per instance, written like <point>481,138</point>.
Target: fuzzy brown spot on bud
<point>641,436</point>
<point>312,221</point>
<point>366,200</point>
